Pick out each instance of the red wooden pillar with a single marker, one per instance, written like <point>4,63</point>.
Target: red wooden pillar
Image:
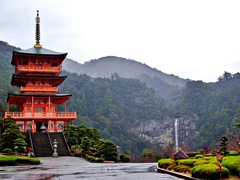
<point>33,126</point>
<point>55,126</point>
<point>25,126</point>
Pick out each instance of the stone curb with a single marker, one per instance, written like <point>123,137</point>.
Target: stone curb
<point>160,170</point>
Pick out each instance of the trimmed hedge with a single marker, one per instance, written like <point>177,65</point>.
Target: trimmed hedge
<point>7,150</point>
<point>198,156</point>
<point>164,163</point>
<point>187,162</point>
<point>209,171</point>
<point>18,160</point>
<point>126,158</point>
<point>233,164</point>
<point>200,161</point>
<point>182,168</point>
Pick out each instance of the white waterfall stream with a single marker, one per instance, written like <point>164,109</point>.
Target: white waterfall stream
<point>176,133</point>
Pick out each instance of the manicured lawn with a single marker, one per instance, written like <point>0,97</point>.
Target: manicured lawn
<point>18,160</point>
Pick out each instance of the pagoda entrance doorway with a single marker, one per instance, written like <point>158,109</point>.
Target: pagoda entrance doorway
<point>40,127</point>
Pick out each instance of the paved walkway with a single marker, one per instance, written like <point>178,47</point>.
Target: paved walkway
<point>69,168</point>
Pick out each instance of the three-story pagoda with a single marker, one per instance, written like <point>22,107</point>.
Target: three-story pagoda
<point>37,75</point>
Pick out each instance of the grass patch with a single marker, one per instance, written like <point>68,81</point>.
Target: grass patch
<point>18,160</point>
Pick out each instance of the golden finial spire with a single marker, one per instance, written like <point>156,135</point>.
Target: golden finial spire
<point>37,35</point>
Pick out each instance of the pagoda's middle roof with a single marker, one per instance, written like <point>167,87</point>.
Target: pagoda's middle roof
<point>21,80</point>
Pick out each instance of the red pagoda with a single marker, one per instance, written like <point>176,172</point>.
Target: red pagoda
<point>37,75</point>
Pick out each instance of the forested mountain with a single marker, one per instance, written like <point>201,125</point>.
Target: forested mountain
<point>217,106</point>
<point>165,85</point>
<point>132,114</point>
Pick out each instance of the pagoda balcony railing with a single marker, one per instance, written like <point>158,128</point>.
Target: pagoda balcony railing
<point>39,89</point>
<point>39,68</point>
<point>29,115</point>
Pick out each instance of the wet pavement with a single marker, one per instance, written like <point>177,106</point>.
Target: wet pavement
<point>68,168</point>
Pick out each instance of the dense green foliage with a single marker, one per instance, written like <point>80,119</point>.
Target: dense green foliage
<point>86,142</point>
<point>112,105</point>
<point>12,136</point>
<point>217,106</point>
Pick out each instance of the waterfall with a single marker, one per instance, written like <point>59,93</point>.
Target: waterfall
<point>176,133</point>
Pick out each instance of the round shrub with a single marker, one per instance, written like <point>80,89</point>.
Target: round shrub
<point>182,168</point>
<point>209,171</point>
<point>201,161</point>
<point>198,156</point>
<point>233,164</point>
<point>91,158</point>
<point>187,162</point>
<point>122,155</point>
<point>164,163</point>
<point>100,160</point>
<point>113,158</point>
<point>7,150</point>
<point>126,158</point>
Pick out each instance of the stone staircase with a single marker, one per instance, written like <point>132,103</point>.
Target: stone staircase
<point>42,144</point>
<point>62,149</point>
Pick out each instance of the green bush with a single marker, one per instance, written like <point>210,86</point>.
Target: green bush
<point>233,153</point>
<point>198,156</point>
<point>113,158</point>
<point>233,164</point>
<point>126,158</point>
<point>122,155</point>
<point>7,150</point>
<point>164,163</point>
<point>187,162</point>
<point>99,160</point>
<point>18,160</point>
<point>201,161</point>
<point>209,171</point>
<point>182,168</point>
<point>91,158</point>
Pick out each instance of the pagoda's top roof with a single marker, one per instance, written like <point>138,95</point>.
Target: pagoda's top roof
<point>39,51</point>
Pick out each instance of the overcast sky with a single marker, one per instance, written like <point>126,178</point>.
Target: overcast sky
<point>192,39</point>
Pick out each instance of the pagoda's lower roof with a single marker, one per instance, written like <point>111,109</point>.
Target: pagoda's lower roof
<point>19,99</point>
<point>21,80</point>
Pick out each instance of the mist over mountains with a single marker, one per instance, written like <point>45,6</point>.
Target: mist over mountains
<point>164,84</point>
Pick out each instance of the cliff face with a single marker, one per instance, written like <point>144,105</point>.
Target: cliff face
<point>162,132</point>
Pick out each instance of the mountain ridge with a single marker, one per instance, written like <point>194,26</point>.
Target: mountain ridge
<point>164,84</point>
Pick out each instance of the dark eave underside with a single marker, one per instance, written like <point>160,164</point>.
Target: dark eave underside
<point>40,52</point>
<point>18,99</point>
<point>20,80</point>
